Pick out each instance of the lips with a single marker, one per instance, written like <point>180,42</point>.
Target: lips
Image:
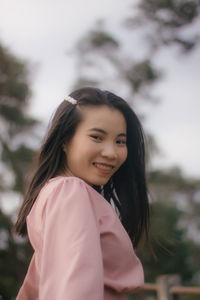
<point>104,168</point>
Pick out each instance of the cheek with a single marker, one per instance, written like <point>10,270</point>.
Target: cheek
<point>123,155</point>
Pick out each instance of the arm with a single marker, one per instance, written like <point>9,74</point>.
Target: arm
<point>72,266</point>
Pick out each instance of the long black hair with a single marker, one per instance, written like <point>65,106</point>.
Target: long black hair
<point>127,187</point>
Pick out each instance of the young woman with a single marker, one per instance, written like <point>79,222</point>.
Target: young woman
<point>87,206</point>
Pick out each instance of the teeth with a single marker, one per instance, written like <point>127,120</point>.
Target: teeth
<point>103,166</point>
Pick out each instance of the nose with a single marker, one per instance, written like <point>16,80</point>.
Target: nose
<point>109,151</point>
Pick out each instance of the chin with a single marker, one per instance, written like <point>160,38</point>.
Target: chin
<point>97,181</point>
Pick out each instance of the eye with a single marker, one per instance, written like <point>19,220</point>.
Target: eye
<point>96,137</point>
<point>121,142</point>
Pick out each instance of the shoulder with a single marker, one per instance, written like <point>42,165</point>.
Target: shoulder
<point>65,180</point>
<point>70,188</point>
<point>70,183</point>
<point>66,193</point>
<point>63,200</point>
<point>63,188</point>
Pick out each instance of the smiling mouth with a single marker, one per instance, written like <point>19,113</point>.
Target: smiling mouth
<point>104,166</point>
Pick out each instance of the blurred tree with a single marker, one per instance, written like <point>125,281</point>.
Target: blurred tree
<point>16,126</point>
<point>175,249</point>
<point>171,186</point>
<point>118,60</point>
<point>169,22</point>
<point>17,138</point>
<point>15,254</point>
<point>101,62</point>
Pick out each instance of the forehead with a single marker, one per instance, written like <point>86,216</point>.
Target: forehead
<point>103,117</point>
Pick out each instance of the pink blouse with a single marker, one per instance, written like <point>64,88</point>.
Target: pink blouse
<point>81,249</point>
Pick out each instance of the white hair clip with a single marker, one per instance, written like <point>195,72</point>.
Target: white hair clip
<point>71,100</point>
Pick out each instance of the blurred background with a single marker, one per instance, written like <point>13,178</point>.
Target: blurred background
<point>147,52</point>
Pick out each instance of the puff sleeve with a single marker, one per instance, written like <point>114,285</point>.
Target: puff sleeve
<point>71,261</point>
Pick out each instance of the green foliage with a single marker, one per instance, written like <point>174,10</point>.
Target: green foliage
<point>16,124</point>
<point>13,74</point>
<point>179,12</point>
<point>101,38</point>
<point>174,253</point>
<point>171,250</point>
<point>97,40</point>
<point>142,74</point>
<point>15,155</point>
<point>105,60</point>
<point>99,51</point>
<point>170,18</point>
<point>14,258</point>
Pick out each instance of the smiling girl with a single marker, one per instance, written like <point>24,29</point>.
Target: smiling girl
<point>87,207</point>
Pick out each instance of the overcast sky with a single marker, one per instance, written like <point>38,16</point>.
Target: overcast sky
<point>43,31</point>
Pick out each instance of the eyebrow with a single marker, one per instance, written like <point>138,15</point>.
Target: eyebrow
<point>104,132</point>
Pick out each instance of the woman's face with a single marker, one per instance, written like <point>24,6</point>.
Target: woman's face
<point>98,147</point>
